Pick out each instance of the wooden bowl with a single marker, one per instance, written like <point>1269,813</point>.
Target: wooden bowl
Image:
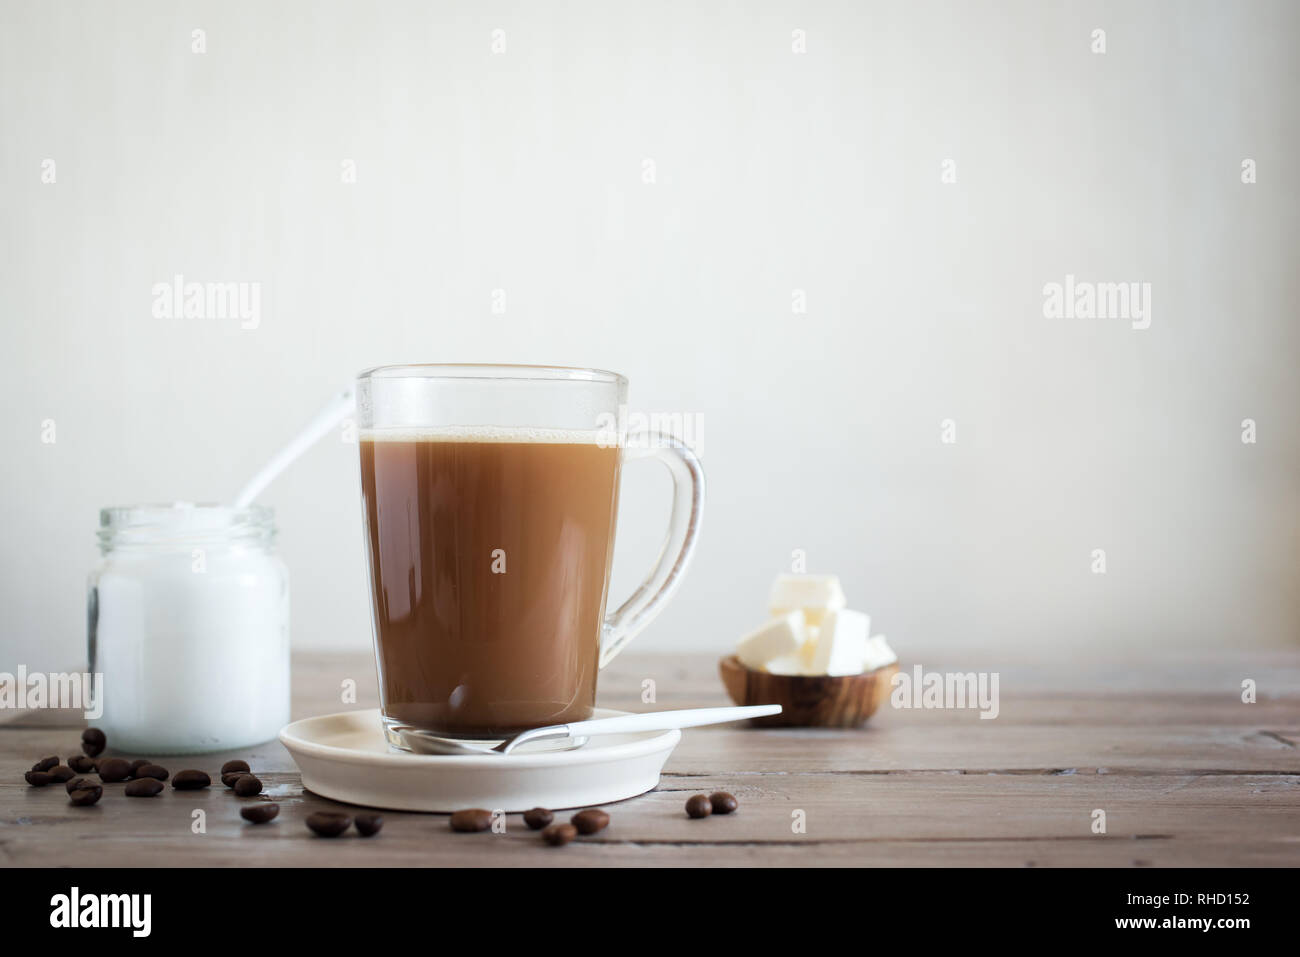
<point>808,701</point>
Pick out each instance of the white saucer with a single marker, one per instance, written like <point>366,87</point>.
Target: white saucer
<point>345,757</point>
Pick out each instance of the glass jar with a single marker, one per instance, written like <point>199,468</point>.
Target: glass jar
<point>188,622</point>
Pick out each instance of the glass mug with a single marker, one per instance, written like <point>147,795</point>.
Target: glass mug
<point>490,496</point>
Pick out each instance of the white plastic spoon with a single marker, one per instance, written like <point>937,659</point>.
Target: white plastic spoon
<point>335,411</point>
<point>424,743</point>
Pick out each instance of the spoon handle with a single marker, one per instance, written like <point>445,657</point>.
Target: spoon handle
<point>665,720</point>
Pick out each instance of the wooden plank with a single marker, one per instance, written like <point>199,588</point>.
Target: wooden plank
<point>855,819</point>
<point>984,749</point>
<point>976,749</point>
<point>1205,691</point>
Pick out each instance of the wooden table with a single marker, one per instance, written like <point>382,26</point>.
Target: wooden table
<point>1186,773</point>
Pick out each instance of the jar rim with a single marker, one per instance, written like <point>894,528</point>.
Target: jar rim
<point>184,523</point>
<point>484,370</point>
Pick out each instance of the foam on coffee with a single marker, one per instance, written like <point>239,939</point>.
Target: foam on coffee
<point>488,433</point>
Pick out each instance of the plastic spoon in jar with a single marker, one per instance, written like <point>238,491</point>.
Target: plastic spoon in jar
<point>422,742</point>
<point>335,411</point>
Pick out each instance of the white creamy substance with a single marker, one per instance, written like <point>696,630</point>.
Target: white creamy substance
<point>811,632</point>
<point>193,647</point>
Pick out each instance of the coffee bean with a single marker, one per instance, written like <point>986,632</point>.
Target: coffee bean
<point>190,780</point>
<point>471,819</point>
<point>143,788</point>
<point>80,784</point>
<point>247,786</point>
<point>82,764</point>
<point>558,835</point>
<point>590,821</point>
<point>137,764</point>
<point>260,813</point>
<point>722,802</point>
<point>93,741</point>
<point>61,773</point>
<point>44,764</point>
<point>84,797</point>
<point>38,779</point>
<point>236,765</point>
<point>114,769</point>
<point>328,823</point>
<point>538,818</point>
<point>697,805</point>
<point>369,824</point>
<point>229,779</point>
<point>157,772</point>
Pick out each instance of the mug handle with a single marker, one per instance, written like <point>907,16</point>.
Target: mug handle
<point>628,620</point>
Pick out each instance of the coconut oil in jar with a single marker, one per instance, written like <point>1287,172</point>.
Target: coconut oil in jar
<point>189,628</point>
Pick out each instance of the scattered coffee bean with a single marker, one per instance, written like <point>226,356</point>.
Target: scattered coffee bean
<point>190,780</point>
<point>157,772</point>
<point>538,818</point>
<point>114,769</point>
<point>93,741</point>
<point>697,805</point>
<point>590,821</point>
<point>80,784</point>
<point>328,823</point>
<point>260,813</point>
<point>471,819</point>
<point>236,765</point>
<point>44,764</point>
<point>722,802</point>
<point>38,779</point>
<point>82,764</point>
<point>143,787</point>
<point>61,773</point>
<point>137,764</point>
<point>558,835</point>
<point>247,786</point>
<point>84,797</point>
<point>229,779</point>
<point>369,824</point>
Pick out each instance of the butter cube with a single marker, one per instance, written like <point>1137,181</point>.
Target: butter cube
<point>813,594</point>
<point>842,643</point>
<point>787,665</point>
<point>808,648</point>
<point>879,654</point>
<point>778,639</point>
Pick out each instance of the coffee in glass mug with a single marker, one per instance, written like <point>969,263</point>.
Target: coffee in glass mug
<point>490,497</point>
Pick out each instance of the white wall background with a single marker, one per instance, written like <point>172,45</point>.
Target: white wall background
<point>776,171</point>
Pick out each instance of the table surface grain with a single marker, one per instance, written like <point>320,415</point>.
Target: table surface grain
<point>1186,772</point>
